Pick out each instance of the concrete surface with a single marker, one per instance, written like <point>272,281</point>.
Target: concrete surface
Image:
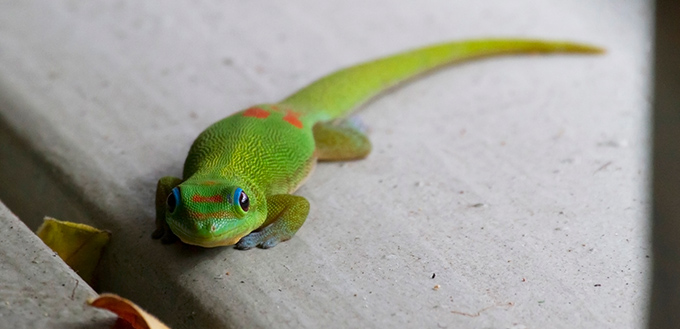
<point>517,186</point>
<point>37,289</point>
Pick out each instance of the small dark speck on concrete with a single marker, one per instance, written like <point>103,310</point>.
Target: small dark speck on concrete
<point>598,285</point>
<point>434,275</point>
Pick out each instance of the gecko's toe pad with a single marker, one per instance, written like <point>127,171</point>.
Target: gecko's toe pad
<point>257,239</point>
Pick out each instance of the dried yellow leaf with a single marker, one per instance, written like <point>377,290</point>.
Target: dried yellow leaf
<point>79,245</point>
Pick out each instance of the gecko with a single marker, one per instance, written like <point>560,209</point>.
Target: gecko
<point>241,172</point>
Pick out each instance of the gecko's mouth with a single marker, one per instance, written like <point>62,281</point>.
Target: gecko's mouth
<point>211,243</point>
<point>205,237</point>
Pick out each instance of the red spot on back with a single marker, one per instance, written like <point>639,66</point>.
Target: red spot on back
<point>256,112</point>
<point>200,198</point>
<point>292,118</point>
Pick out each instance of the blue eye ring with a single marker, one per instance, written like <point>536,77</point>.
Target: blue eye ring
<point>241,199</point>
<point>173,200</point>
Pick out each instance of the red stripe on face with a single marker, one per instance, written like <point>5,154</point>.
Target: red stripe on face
<point>256,112</point>
<point>292,118</point>
<point>200,198</point>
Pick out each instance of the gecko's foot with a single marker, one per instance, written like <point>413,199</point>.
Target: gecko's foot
<point>290,212</point>
<point>158,233</point>
<point>169,238</point>
<point>357,123</point>
<point>257,239</point>
<point>165,234</point>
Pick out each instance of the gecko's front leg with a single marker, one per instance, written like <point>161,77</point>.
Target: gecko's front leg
<point>163,190</point>
<point>285,215</point>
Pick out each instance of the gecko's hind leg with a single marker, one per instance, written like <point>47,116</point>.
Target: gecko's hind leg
<point>340,141</point>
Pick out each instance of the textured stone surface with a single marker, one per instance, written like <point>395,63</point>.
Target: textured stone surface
<point>519,184</point>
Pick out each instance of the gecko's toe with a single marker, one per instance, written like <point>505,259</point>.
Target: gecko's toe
<point>242,246</point>
<point>249,241</point>
<point>169,237</point>
<point>269,243</point>
<point>158,233</point>
<point>356,123</point>
<point>257,239</point>
<point>164,233</point>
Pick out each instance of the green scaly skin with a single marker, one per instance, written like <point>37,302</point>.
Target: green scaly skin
<point>267,151</point>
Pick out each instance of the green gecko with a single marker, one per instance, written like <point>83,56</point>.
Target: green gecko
<point>241,171</point>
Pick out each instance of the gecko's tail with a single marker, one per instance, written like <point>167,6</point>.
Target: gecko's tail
<point>337,94</point>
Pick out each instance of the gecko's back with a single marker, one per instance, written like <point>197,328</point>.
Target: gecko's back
<point>267,145</point>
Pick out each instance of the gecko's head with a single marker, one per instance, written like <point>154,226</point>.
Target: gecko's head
<point>212,213</point>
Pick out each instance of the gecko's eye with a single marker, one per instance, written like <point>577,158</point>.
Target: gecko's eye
<point>173,200</point>
<point>241,199</point>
